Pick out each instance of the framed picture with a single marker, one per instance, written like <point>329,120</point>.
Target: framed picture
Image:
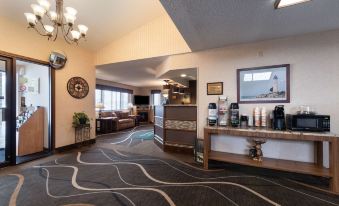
<point>33,86</point>
<point>215,88</point>
<point>269,84</point>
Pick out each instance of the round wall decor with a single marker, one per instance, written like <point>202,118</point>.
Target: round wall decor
<point>77,87</point>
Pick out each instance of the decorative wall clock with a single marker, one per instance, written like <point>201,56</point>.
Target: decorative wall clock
<point>77,87</point>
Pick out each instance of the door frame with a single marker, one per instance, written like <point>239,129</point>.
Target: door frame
<point>11,83</point>
<point>8,111</point>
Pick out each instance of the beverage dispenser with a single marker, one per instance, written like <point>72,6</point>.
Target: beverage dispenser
<point>212,118</point>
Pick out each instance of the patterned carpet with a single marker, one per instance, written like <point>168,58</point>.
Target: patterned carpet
<point>102,176</point>
<point>130,137</point>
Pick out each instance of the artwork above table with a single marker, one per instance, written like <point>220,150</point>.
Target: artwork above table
<point>268,84</point>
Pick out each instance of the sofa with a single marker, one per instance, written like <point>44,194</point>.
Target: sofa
<point>120,120</point>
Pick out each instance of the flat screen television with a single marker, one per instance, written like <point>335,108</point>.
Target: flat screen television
<point>141,100</point>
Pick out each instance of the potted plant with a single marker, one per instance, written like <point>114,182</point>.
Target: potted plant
<point>80,118</point>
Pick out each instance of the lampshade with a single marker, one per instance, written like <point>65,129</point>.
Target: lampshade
<point>49,29</point>
<point>130,105</point>
<point>38,10</point>
<point>69,18</point>
<point>53,15</point>
<point>99,106</point>
<point>75,34</point>
<point>45,4</point>
<point>71,11</point>
<point>83,29</point>
<point>31,19</point>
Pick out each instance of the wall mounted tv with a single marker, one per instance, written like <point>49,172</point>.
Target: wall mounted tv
<point>141,100</point>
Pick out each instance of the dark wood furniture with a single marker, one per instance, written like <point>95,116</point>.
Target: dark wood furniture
<point>316,169</point>
<point>104,125</point>
<point>175,127</point>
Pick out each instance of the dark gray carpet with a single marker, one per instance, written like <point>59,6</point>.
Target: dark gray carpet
<point>105,177</point>
<point>129,137</point>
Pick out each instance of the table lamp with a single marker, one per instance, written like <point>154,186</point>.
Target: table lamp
<point>99,106</point>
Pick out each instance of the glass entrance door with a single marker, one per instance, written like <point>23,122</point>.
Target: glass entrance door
<point>5,65</point>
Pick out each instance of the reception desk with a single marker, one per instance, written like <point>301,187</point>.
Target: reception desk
<point>175,127</point>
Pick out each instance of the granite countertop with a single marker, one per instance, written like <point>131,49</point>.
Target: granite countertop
<point>268,130</point>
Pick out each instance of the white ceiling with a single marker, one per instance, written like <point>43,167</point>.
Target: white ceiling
<point>107,19</point>
<point>206,24</point>
<point>139,73</point>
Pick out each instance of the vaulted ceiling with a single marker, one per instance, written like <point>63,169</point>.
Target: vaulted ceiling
<point>107,19</point>
<point>206,24</point>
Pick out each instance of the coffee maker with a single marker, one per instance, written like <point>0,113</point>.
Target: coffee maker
<point>212,118</point>
<point>279,118</point>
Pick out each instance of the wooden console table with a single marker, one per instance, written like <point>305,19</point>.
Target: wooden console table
<point>316,168</point>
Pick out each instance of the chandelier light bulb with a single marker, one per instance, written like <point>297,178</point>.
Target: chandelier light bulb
<point>53,15</point>
<point>71,11</point>
<point>61,21</point>
<point>83,29</point>
<point>45,4</point>
<point>49,29</point>
<point>38,10</point>
<point>75,35</point>
<point>31,19</point>
<point>70,19</point>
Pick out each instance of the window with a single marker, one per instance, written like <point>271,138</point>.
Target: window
<point>113,100</point>
<point>107,100</point>
<point>156,97</point>
<point>98,96</point>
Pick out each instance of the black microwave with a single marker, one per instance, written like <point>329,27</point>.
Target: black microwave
<point>311,123</point>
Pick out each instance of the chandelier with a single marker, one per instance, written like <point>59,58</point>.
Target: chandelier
<point>59,21</point>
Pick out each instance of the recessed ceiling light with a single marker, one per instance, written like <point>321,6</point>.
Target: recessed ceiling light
<point>284,3</point>
<point>183,75</point>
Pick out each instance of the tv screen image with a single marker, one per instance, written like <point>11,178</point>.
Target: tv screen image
<point>141,100</point>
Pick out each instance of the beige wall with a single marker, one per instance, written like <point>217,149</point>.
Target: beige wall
<point>159,37</point>
<point>18,40</point>
<point>136,90</point>
<point>314,63</point>
<point>116,84</point>
<point>147,90</point>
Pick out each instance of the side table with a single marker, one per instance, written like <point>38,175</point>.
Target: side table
<point>104,125</point>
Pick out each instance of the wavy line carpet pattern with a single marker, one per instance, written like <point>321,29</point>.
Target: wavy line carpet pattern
<point>104,177</point>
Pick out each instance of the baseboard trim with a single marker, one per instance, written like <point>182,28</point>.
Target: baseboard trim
<point>183,150</point>
<point>76,145</point>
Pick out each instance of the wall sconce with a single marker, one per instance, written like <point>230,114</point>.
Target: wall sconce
<point>166,86</point>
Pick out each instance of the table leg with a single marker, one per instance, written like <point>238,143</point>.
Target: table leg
<point>334,165</point>
<point>207,147</point>
<point>318,153</point>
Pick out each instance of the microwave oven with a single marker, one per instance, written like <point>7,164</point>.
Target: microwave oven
<point>307,122</point>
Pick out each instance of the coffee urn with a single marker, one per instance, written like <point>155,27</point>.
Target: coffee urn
<point>212,118</point>
<point>279,118</point>
<point>234,110</point>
